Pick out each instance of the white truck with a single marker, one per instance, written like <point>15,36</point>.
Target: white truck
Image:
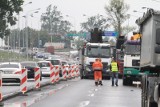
<point>131,70</point>
<point>90,52</point>
<point>150,58</point>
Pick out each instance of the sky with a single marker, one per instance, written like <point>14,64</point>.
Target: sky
<point>76,9</point>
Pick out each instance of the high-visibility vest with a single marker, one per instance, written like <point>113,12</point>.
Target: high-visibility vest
<point>114,67</point>
<point>97,66</point>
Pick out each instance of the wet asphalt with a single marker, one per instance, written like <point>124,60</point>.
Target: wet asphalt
<point>80,93</point>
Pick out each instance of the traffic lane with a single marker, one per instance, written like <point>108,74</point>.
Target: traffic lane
<point>85,93</point>
<point>9,88</point>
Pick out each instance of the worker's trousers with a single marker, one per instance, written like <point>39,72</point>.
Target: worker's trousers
<point>114,78</point>
<point>98,76</point>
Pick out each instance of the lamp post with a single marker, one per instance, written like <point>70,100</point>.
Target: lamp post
<point>18,34</point>
<point>26,25</point>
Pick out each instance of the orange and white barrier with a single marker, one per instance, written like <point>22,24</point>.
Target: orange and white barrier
<point>52,75</point>
<point>56,73</point>
<point>23,83</point>
<point>1,97</point>
<point>37,77</point>
<point>64,72</point>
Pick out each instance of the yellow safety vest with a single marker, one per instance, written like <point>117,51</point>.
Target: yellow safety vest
<point>114,67</point>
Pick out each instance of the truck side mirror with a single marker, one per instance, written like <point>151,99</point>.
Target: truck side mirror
<point>158,36</point>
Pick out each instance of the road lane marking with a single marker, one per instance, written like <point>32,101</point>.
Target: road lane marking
<point>84,103</point>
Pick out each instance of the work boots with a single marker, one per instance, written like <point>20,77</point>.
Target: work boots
<point>96,83</point>
<point>100,83</point>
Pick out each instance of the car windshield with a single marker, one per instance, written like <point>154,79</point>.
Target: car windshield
<point>9,66</point>
<point>43,64</point>
<point>29,64</point>
<point>55,62</point>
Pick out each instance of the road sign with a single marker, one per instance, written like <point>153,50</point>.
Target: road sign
<point>110,33</point>
<point>78,34</point>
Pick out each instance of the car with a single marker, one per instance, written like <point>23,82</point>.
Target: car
<point>39,55</point>
<point>45,67</point>
<point>46,55</point>
<point>11,71</point>
<point>30,66</point>
<point>56,62</point>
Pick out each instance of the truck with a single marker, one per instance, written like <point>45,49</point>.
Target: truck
<point>131,50</point>
<point>92,50</point>
<point>49,49</point>
<point>149,25</point>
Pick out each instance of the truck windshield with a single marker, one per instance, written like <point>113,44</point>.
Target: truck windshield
<point>132,49</point>
<point>95,51</point>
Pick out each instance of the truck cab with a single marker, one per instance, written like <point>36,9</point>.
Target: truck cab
<point>93,51</point>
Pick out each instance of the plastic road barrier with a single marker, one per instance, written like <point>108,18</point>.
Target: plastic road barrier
<point>70,72</point>
<point>56,72</point>
<point>37,77</point>
<point>23,83</point>
<point>1,86</point>
<point>64,72</point>
<point>52,75</point>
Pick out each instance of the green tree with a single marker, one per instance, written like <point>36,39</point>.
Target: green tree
<point>117,14</point>
<point>7,10</point>
<point>53,23</point>
<point>97,21</point>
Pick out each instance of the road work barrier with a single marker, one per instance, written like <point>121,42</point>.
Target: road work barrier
<point>70,72</point>
<point>1,96</point>
<point>73,70</point>
<point>64,72</point>
<point>77,70</point>
<point>23,82</point>
<point>52,74</point>
<point>37,77</point>
<point>56,72</point>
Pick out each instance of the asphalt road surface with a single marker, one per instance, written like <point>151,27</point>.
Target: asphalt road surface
<point>80,93</point>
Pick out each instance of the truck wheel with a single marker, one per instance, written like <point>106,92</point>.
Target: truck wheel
<point>153,104</point>
<point>143,92</point>
<point>125,82</point>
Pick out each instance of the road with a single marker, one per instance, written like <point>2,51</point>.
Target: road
<point>80,93</point>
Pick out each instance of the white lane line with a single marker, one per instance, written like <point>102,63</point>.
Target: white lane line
<point>84,103</point>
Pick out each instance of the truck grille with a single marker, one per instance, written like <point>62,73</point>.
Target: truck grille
<point>135,62</point>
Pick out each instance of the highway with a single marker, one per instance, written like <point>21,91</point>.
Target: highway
<point>78,93</point>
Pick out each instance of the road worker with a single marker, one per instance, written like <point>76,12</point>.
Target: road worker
<point>97,68</point>
<point>114,70</point>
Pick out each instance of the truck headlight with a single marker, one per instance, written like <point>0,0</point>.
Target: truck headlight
<point>88,68</point>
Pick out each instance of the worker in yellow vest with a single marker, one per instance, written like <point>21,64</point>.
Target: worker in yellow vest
<point>114,70</point>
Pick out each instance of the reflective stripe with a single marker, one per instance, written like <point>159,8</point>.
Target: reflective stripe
<point>114,67</point>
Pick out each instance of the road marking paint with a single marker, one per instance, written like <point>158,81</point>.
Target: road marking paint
<point>84,103</point>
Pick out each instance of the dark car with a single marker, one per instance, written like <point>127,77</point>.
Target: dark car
<point>30,66</point>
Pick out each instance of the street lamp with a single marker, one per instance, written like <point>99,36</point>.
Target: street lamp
<point>19,41</point>
<point>137,11</point>
<point>26,25</point>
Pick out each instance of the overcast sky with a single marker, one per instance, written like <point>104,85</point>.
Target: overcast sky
<point>76,8</point>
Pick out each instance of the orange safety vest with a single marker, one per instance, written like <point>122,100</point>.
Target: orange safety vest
<point>97,66</point>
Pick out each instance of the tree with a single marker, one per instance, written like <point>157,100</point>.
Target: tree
<point>117,14</point>
<point>97,21</point>
<point>53,23</point>
<point>7,10</point>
